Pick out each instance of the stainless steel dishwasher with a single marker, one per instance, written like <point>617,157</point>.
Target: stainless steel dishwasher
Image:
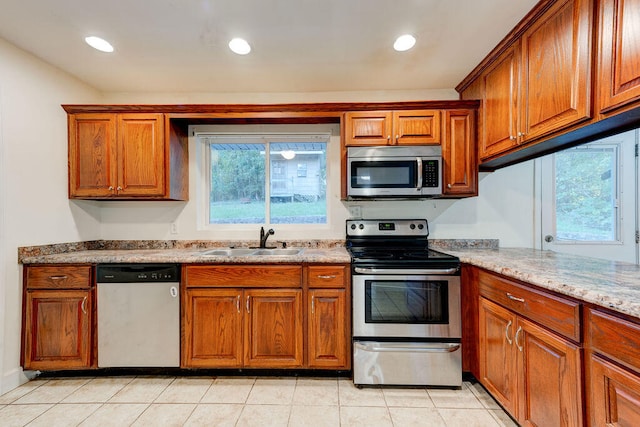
<point>138,312</point>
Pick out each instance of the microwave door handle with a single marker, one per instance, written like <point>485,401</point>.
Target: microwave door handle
<point>420,173</point>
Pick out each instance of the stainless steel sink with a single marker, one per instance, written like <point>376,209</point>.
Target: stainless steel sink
<point>228,252</point>
<point>290,251</point>
<point>251,252</point>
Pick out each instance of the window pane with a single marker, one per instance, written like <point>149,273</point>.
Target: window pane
<point>298,182</point>
<point>586,194</point>
<point>237,184</point>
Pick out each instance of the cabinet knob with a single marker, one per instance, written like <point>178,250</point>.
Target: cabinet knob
<point>512,138</point>
<point>448,185</point>
<point>119,188</point>
<point>521,134</point>
<point>111,188</point>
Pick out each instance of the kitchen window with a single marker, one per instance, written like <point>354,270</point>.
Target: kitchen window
<point>588,199</point>
<point>266,178</point>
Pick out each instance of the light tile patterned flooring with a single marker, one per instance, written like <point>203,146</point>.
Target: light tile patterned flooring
<point>242,401</point>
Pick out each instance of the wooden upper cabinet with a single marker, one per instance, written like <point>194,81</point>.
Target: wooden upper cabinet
<point>405,127</point>
<point>126,156</point>
<point>92,155</point>
<point>619,72</point>
<point>556,69</point>
<point>141,155</point>
<point>541,82</point>
<point>499,111</point>
<point>459,154</point>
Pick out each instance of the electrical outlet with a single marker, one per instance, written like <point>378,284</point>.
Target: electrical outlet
<point>174,228</point>
<point>355,211</point>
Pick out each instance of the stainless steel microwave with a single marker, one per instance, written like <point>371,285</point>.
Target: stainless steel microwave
<point>394,172</point>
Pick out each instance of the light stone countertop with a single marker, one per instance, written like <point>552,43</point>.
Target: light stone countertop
<point>335,255</point>
<point>610,284</point>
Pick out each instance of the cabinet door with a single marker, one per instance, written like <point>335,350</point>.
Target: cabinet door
<point>57,329</point>
<point>416,127</point>
<point>368,128</point>
<point>459,154</point>
<point>92,155</point>
<point>556,64</point>
<point>141,155</point>
<point>619,78</point>
<point>212,328</point>
<point>497,353</point>
<point>614,394</point>
<point>273,328</point>
<point>499,111</point>
<point>327,328</point>
<point>550,378</point>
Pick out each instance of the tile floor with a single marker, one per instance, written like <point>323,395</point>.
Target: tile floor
<point>242,401</point>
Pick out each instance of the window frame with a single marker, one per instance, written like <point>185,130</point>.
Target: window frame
<point>258,137</point>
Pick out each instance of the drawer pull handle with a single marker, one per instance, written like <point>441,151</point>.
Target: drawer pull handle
<point>327,276</point>
<point>248,304</point>
<point>83,306</point>
<point>506,332</point>
<point>514,298</point>
<point>313,304</point>
<point>238,303</point>
<point>57,277</point>
<point>516,338</point>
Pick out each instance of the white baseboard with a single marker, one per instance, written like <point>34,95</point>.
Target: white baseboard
<point>12,379</point>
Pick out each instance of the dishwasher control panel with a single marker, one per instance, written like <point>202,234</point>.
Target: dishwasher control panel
<point>137,273</point>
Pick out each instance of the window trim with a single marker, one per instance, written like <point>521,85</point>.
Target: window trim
<point>267,137</point>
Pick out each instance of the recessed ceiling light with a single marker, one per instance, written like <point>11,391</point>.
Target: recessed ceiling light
<point>239,46</point>
<point>98,43</point>
<point>404,42</point>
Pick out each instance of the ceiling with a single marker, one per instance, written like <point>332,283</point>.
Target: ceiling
<point>298,45</point>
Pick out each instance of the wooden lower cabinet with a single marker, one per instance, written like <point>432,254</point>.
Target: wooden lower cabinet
<point>234,328</point>
<point>273,328</point>
<point>212,325</point>
<point>614,393</point>
<point>57,329</point>
<point>533,373</point>
<point>326,332</point>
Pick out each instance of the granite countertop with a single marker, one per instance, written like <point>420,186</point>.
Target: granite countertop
<point>326,255</point>
<point>614,285</point>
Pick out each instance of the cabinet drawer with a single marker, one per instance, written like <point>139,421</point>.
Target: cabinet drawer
<point>558,314</point>
<point>58,277</point>
<point>244,276</point>
<point>327,276</point>
<point>614,337</point>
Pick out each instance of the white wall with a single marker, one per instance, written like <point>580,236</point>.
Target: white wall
<point>34,209</point>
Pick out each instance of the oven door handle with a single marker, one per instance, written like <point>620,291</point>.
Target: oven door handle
<point>390,347</point>
<point>407,271</point>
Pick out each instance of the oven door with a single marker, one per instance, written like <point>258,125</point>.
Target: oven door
<point>406,306</point>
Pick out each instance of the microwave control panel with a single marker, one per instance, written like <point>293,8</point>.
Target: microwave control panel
<point>431,174</point>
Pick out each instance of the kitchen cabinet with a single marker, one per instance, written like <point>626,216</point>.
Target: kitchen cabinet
<point>540,82</point>
<point>526,360</point>
<point>126,156</point>
<point>228,322</point>
<point>403,127</point>
<point>619,50</point>
<point>459,154</point>
<point>328,331</point>
<point>58,317</point>
<point>613,369</point>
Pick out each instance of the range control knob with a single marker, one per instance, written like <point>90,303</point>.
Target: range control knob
<point>361,226</point>
<point>353,226</point>
<point>412,226</point>
<point>420,226</point>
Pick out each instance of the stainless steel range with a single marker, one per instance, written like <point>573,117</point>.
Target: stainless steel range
<point>406,306</point>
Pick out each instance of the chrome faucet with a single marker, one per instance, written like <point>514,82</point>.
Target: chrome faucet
<point>264,236</point>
